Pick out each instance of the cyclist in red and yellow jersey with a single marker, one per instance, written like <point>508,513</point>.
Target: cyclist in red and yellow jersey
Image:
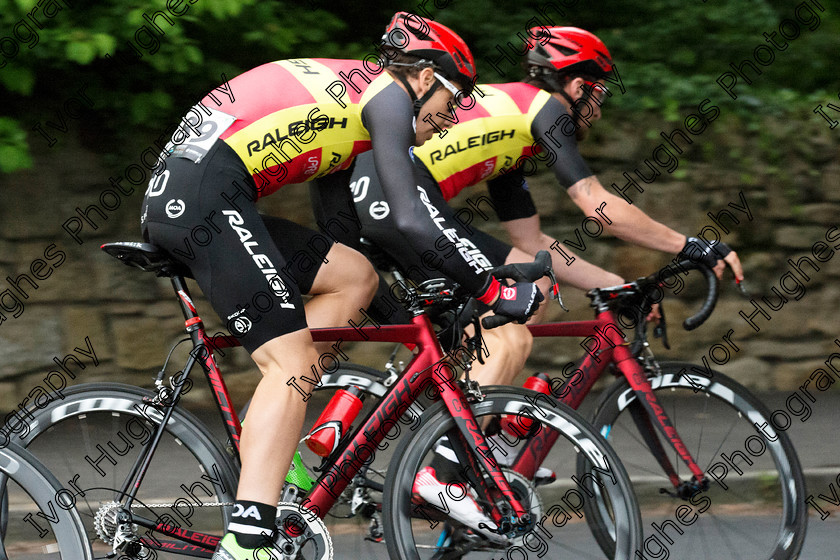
<point>511,127</point>
<point>285,122</point>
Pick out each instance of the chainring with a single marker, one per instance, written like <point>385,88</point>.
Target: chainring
<point>301,534</point>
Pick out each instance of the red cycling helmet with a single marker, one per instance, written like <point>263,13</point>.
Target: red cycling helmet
<point>433,43</point>
<point>569,49</point>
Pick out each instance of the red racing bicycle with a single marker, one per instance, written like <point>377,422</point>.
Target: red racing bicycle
<point>151,481</point>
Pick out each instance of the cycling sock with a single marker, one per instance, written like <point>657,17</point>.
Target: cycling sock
<point>252,523</point>
<point>445,462</point>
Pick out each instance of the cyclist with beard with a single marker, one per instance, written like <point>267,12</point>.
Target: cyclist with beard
<point>538,118</point>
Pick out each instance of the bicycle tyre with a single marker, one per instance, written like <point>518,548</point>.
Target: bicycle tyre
<point>436,421</point>
<point>33,478</point>
<point>4,510</point>
<point>196,453</point>
<point>724,401</point>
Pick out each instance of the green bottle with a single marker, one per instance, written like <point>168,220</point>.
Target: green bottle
<point>298,474</point>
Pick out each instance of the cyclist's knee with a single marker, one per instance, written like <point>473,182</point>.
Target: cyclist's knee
<point>286,354</point>
<point>347,272</point>
<point>519,341</point>
<point>363,281</point>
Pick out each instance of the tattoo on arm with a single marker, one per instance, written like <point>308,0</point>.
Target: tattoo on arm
<point>585,186</point>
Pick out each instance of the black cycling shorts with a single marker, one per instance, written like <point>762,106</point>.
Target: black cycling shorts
<point>252,268</point>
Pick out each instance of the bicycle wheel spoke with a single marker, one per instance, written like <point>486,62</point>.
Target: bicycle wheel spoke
<point>634,434</point>
<point>187,472</point>
<point>719,447</point>
<point>658,474</point>
<point>731,547</point>
<point>704,541</point>
<point>677,459</point>
<point>567,533</point>
<point>34,526</point>
<point>697,458</point>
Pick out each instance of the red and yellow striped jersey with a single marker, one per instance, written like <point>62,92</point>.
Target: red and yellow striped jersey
<point>289,128</point>
<point>489,138</point>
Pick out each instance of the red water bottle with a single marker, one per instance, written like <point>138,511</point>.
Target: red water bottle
<point>334,421</point>
<point>519,426</point>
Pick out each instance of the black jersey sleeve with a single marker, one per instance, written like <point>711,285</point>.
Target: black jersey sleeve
<point>511,197</point>
<point>553,128</point>
<point>388,117</point>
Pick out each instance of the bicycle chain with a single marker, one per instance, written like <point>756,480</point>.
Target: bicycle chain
<point>207,504</point>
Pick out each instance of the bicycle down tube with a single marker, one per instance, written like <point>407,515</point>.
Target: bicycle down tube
<point>612,348</point>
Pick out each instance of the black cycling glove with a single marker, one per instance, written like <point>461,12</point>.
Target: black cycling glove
<point>708,253</point>
<point>518,302</point>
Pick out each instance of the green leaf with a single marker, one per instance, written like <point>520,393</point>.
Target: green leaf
<point>81,52</point>
<point>26,5</point>
<point>104,43</point>
<point>193,54</point>
<point>14,151</point>
<point>13,158</point>
<point>17,79</point>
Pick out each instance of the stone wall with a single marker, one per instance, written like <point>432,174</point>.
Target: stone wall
<point>787,172</point>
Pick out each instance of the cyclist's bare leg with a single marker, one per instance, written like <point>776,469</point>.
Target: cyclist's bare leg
<point>342,288</point>
<point>510,345</point>
<point>275,416</point>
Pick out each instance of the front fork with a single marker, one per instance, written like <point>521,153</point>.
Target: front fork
<point>471,448</point>
<point>646,407</point>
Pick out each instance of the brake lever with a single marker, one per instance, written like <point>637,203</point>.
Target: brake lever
<point>661,329</point>
<point>477,340</point>
<point>555,289</point>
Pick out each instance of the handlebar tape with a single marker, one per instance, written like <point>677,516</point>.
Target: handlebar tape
<point>494,321</point>
<point>708,306</point>
<point>525,272</point>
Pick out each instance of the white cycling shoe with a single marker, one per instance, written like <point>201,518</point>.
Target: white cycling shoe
<point>465,511</point>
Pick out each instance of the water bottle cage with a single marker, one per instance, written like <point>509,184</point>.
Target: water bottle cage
<point>332,458</point>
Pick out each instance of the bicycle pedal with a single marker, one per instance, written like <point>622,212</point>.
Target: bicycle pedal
<point>374,539</point>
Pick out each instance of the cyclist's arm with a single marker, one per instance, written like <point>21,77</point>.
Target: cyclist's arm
<point>571,269</point>
<point>631,224</point>
<point>623,220</point>
<point>388,117</point>
<point>516,210</point>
